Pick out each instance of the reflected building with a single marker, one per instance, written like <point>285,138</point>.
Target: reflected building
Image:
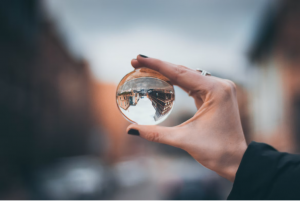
<point>128,98</point>
<point>162,101</point>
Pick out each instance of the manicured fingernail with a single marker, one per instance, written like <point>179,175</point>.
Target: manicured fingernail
<point>143,56</point>
<point>133,132</point>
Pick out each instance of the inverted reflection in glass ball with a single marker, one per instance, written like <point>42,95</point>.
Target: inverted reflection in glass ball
<point>145,96</point>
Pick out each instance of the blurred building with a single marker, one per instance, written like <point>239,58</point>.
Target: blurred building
<point>275,91</point>
<point>111,121</point>
<point>45,105</point>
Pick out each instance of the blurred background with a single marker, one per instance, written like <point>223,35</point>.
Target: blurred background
<point>61,134</point>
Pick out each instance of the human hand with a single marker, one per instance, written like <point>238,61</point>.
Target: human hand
<point>214,135</point>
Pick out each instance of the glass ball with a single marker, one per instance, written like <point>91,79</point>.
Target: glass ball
<point>145,96</point>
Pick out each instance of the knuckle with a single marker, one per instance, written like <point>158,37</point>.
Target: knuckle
<point>179,71</point>
<point>181,67</point>
<point>223,89</point>
<point>228,87</point>
<point>153,136</point>
<point>232,84</point>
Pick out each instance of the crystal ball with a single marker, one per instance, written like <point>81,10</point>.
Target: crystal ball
<point>145,96</point>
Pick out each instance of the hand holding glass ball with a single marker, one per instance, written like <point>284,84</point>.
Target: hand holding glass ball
<point>145,96</point>
<point>213,136</point>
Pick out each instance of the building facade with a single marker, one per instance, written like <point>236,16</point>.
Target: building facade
<point>162,101</point>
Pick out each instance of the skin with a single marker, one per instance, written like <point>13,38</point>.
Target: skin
<point>214,135</point>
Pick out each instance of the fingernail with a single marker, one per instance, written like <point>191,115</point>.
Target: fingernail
<point>133,132</point>
<point>134,58</point>
<point>143,56</point>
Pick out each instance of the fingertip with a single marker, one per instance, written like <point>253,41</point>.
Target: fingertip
<point>144,59</point>
<point>129,127</point>
<point>135,63</point>
<point>144,56</point>
<point>133,130</point>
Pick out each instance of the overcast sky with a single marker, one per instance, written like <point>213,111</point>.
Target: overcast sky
<point>209,34</point>
<point>212,34</point>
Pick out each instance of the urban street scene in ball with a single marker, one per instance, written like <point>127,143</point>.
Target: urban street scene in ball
<point>146,100</point>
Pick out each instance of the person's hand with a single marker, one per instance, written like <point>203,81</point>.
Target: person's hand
<point>214,135</point>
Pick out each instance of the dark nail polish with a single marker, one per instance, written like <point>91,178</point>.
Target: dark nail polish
<point>143,56</point>
<point>133,132</point>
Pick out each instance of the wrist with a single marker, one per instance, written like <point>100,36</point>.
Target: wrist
<point>230,160</point>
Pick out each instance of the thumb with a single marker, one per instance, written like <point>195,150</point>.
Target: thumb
<point>165,135</point>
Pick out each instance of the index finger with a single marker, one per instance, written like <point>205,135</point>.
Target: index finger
<point>178,74</point>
